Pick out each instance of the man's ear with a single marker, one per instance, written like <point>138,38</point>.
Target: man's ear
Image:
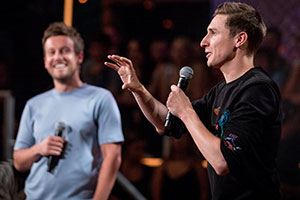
<point>80,57</point>
<point>241,39</point>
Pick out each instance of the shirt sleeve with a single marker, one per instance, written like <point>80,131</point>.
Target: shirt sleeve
<point>25,137</point>
<point>109,121</point>
<point>247,137</point>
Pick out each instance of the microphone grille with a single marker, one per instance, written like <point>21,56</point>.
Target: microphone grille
<point>186,72</point>
<point>60,125</point>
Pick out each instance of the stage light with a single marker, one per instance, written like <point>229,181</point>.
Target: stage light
<point>152,162</point>
<point>204,164</point>
<point>82,1</point>
<point>168,24</point>
<point>148,4</point>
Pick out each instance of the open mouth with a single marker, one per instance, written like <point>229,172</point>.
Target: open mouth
<point>60,66</point>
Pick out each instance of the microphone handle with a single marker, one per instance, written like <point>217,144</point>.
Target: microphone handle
<point>169,120</point>
<point>53,160</point>
<point>182,84</point>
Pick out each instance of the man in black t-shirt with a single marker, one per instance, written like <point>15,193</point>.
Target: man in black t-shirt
<point>237,125</point>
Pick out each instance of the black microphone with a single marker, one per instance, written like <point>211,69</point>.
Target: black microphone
<point>186,73</point>
<point>53,160</point>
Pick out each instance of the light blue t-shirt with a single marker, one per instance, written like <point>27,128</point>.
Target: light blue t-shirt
<point>92,118</point>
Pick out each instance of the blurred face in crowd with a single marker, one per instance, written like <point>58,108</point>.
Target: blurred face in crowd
<point>60,59</point>
<point>180,51</point>
<point>218,43</point>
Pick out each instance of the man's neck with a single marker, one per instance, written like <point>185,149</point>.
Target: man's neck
<point>236,68</point>
<point>68,86</point>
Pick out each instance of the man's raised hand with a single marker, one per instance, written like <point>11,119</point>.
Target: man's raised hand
<point>125,69</point>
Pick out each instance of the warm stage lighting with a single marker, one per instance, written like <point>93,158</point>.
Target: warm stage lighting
<point>82,1</point>
<point>152,162</point>
<point>204,164</point>
<point>168,24</point>
<point>148,4</point>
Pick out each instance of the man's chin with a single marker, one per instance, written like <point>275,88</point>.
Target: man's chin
<point>61,79</point>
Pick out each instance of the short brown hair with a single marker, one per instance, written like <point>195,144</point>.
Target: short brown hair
<point>243,17</point>
<point>60,28</point>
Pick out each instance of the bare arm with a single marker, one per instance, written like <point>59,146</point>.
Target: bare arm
<point>153,110</point>
<point>111,163</point>
<point>24,158</point>
<point>209,145</point>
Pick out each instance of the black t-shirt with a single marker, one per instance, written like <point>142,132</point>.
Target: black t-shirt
<point>245,114</point>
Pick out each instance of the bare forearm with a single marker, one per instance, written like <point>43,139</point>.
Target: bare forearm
<point>111,153</point>
<point>24,158</point>
<point>208,144</point>
<point>153,110</point>
<point>106,178</point>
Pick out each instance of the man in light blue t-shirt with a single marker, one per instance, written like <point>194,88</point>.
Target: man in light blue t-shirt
<point>85,117</point>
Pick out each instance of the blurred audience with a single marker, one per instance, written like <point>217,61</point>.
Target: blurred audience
<point>181,176</point>
<point>167,73</point>
<point>5,84</point>
<point>131,116</point>
<point>158,52</point>
<point>93,70</point>
<point>134,149</point>
<point>289,150</point>
<point>277,66</point>
<point>292,88</point>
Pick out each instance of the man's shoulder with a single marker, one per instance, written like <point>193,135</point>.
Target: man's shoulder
<point>257,76</point>
<point>95,90</point>
<point>41,96</point>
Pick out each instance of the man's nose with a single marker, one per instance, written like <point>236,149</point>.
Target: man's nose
<point>204,42</point>
<point>58,55</point>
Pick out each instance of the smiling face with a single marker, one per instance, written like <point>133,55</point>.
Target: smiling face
<point>218,43</point>
<point>60,59</point>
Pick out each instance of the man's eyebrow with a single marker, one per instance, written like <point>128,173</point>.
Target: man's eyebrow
<point>211,29</point>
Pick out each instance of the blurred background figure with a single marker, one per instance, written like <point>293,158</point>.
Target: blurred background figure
<point>167,73</point>
<point>5,82</point>
<point>163,76</point>
<point>289,151</point>
<point>277,66</point>
<point>134,150</point>
<point>182,175</point>
<point>292,89</point>
<point>131,115</point>
<point>158,52</point>
<point>4,85</point>
<point>93,70</point>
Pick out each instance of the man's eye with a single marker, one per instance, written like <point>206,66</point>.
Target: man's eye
<point>51,52</point>
<point>65,50</point>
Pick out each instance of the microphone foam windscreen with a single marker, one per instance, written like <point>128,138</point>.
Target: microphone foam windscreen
<point>186,72</point>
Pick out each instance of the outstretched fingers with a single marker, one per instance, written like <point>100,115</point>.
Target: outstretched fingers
<point>120,61</point>
<point>111,65</point>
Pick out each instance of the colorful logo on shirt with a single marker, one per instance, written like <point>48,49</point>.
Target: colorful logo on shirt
<point>222,121</point>
<point>230,142</point>
<point>217,110</point>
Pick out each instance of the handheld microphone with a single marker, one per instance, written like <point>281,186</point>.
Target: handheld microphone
<point>53,160</point>
<point>186,73</point>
